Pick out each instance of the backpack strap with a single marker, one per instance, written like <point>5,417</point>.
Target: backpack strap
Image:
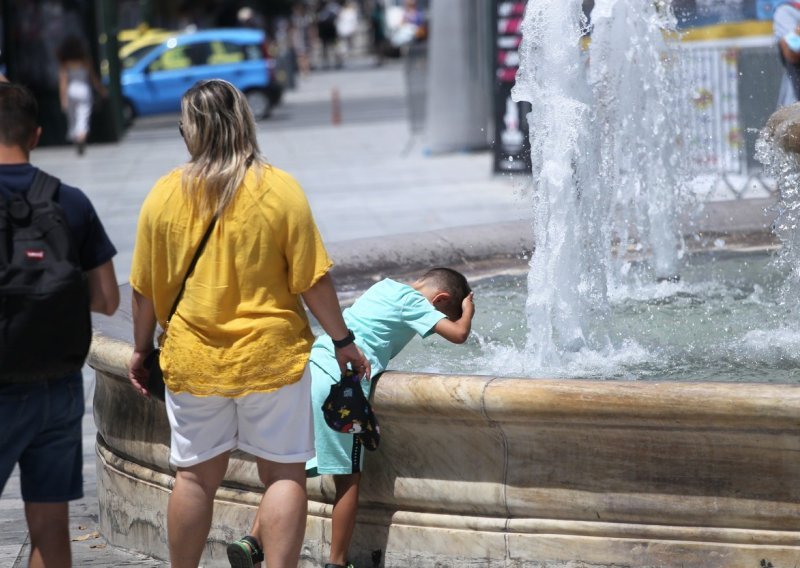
<point>43,189</point>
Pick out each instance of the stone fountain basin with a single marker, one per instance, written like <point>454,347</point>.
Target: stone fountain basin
<point>493,471</point>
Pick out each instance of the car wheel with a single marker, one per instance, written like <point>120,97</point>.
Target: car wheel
<point>128,113</point>
<point>259,103</point>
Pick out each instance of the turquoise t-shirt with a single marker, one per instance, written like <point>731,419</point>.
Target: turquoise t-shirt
<point>384,319</point>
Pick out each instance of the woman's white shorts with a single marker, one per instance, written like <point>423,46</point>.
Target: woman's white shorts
<point>275,426</point>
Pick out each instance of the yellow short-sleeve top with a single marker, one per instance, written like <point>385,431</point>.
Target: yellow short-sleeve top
<point>240,327</point>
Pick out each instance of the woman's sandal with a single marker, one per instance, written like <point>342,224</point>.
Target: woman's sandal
<point>245,553</point>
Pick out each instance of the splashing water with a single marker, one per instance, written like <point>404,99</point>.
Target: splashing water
<point>602,149</point>
<point>633,76</point>
<point>784,167</point>
<point>722,322</point>
<point>565,282</point>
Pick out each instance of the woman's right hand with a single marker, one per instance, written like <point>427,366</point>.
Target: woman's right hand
<point>138,373</point>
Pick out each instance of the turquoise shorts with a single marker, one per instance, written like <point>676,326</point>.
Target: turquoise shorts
<point>337,453</point>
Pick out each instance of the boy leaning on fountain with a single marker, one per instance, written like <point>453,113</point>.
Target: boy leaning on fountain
<point>382,321</point>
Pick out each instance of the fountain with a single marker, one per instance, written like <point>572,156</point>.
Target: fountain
<point>566,282</point>
<point>490,471</point>
<point>593,190</point>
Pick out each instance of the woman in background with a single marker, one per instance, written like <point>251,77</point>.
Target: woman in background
<point>76,78</point>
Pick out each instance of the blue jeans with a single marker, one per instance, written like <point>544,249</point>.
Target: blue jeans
<point>40,428</point>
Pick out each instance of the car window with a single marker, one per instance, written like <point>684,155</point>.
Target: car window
<point>135,56</point>
<point>253,51</point>
<point>198,53</point>
<point>223,53</point>
<point>172,59</point>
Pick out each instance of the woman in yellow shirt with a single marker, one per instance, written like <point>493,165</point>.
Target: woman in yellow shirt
<point>234,353</point>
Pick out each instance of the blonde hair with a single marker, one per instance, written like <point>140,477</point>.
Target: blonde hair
<point>220,134</point>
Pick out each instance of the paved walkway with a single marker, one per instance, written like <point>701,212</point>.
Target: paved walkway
<point>367,177</point>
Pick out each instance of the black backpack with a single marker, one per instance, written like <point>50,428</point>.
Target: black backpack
<point>45,322</point>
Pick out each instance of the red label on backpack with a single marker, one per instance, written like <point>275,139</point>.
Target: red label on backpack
<point>34,254</point>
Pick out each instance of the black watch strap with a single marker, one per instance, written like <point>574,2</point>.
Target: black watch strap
<point>345,341</point>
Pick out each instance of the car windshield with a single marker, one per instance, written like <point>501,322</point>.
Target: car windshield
<point>133,58</point>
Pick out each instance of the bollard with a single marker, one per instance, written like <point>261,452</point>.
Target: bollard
<point>336,107</point>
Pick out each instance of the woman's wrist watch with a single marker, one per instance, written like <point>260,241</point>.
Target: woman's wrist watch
<point>345,341</point>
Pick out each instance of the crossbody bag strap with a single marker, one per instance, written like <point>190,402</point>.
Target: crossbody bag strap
<point>192,264</point>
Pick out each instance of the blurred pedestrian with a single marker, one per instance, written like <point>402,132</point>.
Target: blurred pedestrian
<point>246,17</point>
<point>377,19</point>
<point>76,81</point>
<point>415,17</point>
<point>786,28</point>
<point>347,26</point>
<point>327,13</point>
<point>300,37</point>
<point>237,374</point>
<point>412,28</point>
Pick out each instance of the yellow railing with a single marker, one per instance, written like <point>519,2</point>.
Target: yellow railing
<point>729,30</point>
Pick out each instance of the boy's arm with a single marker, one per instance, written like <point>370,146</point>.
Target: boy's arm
<point>458,331</point>
<point>322,301</point>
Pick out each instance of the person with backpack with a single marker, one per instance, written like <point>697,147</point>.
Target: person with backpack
<point>55,267</point>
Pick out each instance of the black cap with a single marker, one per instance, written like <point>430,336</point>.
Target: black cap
<point>348,411</point>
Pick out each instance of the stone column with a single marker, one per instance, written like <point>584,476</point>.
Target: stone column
<point>458,100</point>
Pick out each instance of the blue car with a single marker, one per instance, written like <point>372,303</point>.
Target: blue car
<point>156,83</point>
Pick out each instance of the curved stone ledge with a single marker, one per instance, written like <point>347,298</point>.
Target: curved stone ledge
<point>476,469</point>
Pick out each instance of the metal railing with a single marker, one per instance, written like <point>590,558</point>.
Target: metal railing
<point>731,89</point>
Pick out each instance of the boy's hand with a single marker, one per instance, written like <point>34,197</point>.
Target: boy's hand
<point>458,331</point>
<point>468,306</point>
<point>353,355</point>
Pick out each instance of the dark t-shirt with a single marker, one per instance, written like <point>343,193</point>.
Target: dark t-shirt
<point>88,234</point>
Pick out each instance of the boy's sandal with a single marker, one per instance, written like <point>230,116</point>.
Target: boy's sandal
<point>245,553</point>
<point>348,565</point>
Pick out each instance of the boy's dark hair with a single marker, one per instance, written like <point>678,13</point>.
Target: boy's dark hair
<point>18,115</point>
<point>452,282</point>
